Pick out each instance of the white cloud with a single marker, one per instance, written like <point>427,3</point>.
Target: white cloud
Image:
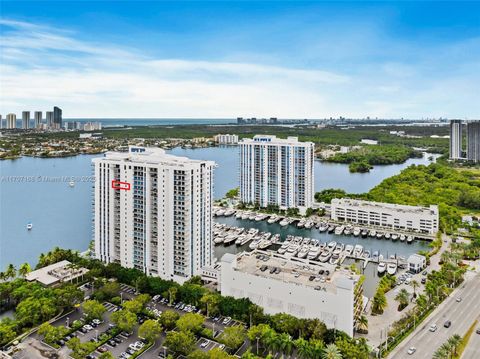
<point>43,66</point>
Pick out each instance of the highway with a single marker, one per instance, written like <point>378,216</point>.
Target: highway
<point>461,314</point>
<point>472,351</point>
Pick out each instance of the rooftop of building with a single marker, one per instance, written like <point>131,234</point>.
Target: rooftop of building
<point>320,276</point>
<point>274,140</point>
<point>152,155</point>
<point>416,258</point>
<point>379,205</point>
<point>58,272</point>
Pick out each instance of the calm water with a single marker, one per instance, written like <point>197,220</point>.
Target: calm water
<point>61,215</point>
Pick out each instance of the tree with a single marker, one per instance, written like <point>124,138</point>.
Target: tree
<point>331,352</point>
<point>314,329</point>
<point>233,193</point>
<point>285,343</point>
<point>93,309</point>
<point>7,331</point>
<point>124,320</point>
<point>362,324</point>
<point>24,270</point>
<point>133,306</point>
<point>169,319</point>
<point>106,355</point>
<point>303,348</point>
<point>233,336</point>
<point>11,272</point>
<point>403,297</point>
<point>379,302</point>
<point>198,354</point>
<point>150,330</point>
<point>50,333</point>
<point>210,301</point>
<point>191,322</point>
<point>422,301</point>
<point>180,342</point>
<point>415,285</point>
<point>454,342</point>
<point>172,294</point>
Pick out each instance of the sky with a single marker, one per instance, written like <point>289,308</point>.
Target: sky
<point>140,59</point>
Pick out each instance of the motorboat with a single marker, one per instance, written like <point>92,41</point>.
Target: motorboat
<point>252,216</point>
<point>372,233</point>
<point>245,215</point>
<point>364,233</point>
<point>409,239</point>
<point>366,254</point>
<point>29,226</point>
<point>331,246</point>
<point>402,238</point>
<point>387,235</point>
<point>339,248</point>
<point>334,259</point>
<point>314,252</point>
<point>229,212</point>
<point>395,237</point>
<point>325,256</point>
<point>220,212</point>
<point>301,223</point>
<point>308,224</point>
<point>255,243</point>
<point>348,249</point>
<point>381,267</point>
<point>323,227</point>
<point>238,215</point>
<point>273,219</point>
<point>230,239</point>
<point>358,250</point>
<point>304,250</point>
<point>339,230</point>
<point>218,240</point>
<point>284,222</point>
<point>391,268</point>
<point>292,250</point>
<point>375,255</point>
<point>356,231</point>
<point>348,229</point>
<point>379,235</point>
<point>71,184</point>
<point>331,228</point>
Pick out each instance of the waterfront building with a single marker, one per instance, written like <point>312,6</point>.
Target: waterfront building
<point>56,274</point>
<point>395,216</point>
<point>26,120</point>
<point>456,139</point>
<point>473,141</point>
<point>416,263</point>
<point>49,115</point>
<point>153,212</point>
<point>226,139</point>
<point>277,172</point>
<point>281,285</point>
<point>11,121</point>
<point>57,118</point>
<point>38,119</point>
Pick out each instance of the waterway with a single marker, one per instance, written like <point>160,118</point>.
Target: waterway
<point>62,215</point>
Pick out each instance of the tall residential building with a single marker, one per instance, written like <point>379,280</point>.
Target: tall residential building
<point>1,122</point>
<point>153,212</point>
<point>49,115</point>
<point>276,171</point>
<point>456,136</point>
<point>11,121</point>
<point>26,120</point>
<point>38,119</point>
<point>473,141</point>
<point>57,117</point>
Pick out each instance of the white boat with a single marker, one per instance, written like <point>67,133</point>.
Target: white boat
<point>218,240</point>
<point>402,237</point>
<point>372,233</point>
<point>238,215</point>
<point>252,216</point>
<point>29,226</point>
<point>358,250</point>
<point>387,235</point>
<point>303,251</point>
<point>348,249</point>
<point>301,223</point>
<point>391,268</point>
<point>366,254</point>
<point>323,227</point>
<point>379,235</point>
<point>334,259</point>
<point>339,230</point>
<point>245,215</point>
<point>356,231</point>
<point>331,228</point>
<point>364,233</point>
<point>409,239</point>
<point>381,267</point>
<point>395,237</point>
<point>255,243</point>
<point>314,252</point>
<point>273,219</point>
<point>284,222</point>
<point>331,246</point>
<point>292,250</point>
<point>339,248</point>
<point>71,184</point>
<point>220,212</point>
<point>229,212</point>
<point>230,239</point>
<point>375,255</point>
<point>325,255</point>
<point>308,224</point>
<point>348,229</point>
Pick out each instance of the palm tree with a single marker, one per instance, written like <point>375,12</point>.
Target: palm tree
<point>422,301</point>
<point>402,298</point>
<point>331,352</point>
<point>2,276</point>
<point>316,347</point>
<point>415,285</point>
<point>379,302</point>
<point>11,272</point>
<point>303,348</point>
<point>24,270</point>
<point>441,353</point>
<point>285,343</point>
<point>454,341</point>
<point>362,323</point>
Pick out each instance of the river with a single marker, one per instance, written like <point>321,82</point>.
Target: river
<point>62,215</point>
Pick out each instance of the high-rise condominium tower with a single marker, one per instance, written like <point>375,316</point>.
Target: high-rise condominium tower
<point>473,141</point>
<point>11,121</point>
<point>26,120</point>
<point>456,139</point>
<point>277,172</point>
<point>57,117</point>
<point>153,212</point>
<point>38,119</point>
<point>49,115</point>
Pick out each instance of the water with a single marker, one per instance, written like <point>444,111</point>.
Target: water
<point>61,215</point>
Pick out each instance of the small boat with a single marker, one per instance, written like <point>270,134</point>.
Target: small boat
<point>284,222</point>
<point>308,224</point>
<point>301,223</point>
<point>379,235</point>
<point>339,248</point>
<point>29,226</point>
<point>314,252</point>
<point>303,251</point>
<point>334,259</point>
<point>339,230</point>
<point>255,243</point>
<point>230,239</point>
<point>364,233</point>
<point>273,219</point>
<point>375,255</point>
<point>323,227</point>
<point>229,212</point>
<point>348,229</point>
<point>358,250</point>
<point>245,215</point>
<point>402,236</point>
<point>292,250</point>
<point>391,268</point>
<point>325,256</point>
<point>348,249</point>
<point>381,267</point>
<point>71,184</point>
<point>395,237</point>
<point>331,228</point>
<point>331,246</point>
<point>220,213</point>
<point>218,240</point>
<point>366,254</point>
<point>409,239</point>
<point>387,235</point>
<point>252,216</point>
<point>356,231</point>
<point>372,233</point>
<point>238,215</point>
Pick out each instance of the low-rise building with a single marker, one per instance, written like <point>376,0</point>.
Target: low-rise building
<point>416,263</point>
<point>395,216</point>
<point>226,139</point>
<point>295,286</point>
<point>57,273</point>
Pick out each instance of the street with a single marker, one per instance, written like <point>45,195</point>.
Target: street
<point>462,315</point>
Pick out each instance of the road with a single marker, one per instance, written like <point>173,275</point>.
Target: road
<point>472,351</point>
<point>462,315</point>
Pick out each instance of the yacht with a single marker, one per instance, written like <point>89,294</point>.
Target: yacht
<point>331,228</point>
<point>358,250</point>
<point>387,235</point>
<point>409,239</point>
<point>308,224</point>
<point>245,215</point>
<point>339,230</point>
<point>284,222</point>
<point>260,217</point>
<point>339,248</point>
<point>314,252</point>
<point>364,233</point>
<point>255,243</point>
<point>356,231</point>
<point>372,233</point>
<point>379,235</point>
<point>395,237</point>
<point>252,216</point>
<point>229,212</point>
<point>292,250</point>
<point>325,256</point>
<point>391,268</point>
<point>230,239</point>
<point>348,249</point>
<point>366,254</point>
<point>334,259</point>
<point>331,246</point>
<point>381,267</point>
<point>283,248</point>
<point>301,223</point>
<point>218,240</point>
<point>304,250</point>
<point>348,229</point>
<point>402,238</point>
<point>323,227</point>
<point>273,219</point>
<point>220,212</point>
<point>375,255</point>
<point>238,215</point>
<point>29,226</point>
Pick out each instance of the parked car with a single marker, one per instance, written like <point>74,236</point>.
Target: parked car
<point>226,320</point>
<point>112,343</point>
<point>118,340</point>
<point>447,324</point>
<point>433,327</point>
<point>424,280</point>
<point>411,350</point>
<point>221,346</point>
<point>204,344</point>
<point>102,349</point>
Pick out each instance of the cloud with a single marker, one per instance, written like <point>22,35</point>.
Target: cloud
<point>42,66</point>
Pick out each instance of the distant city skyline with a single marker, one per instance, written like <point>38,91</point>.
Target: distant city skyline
<point>223,60</point>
